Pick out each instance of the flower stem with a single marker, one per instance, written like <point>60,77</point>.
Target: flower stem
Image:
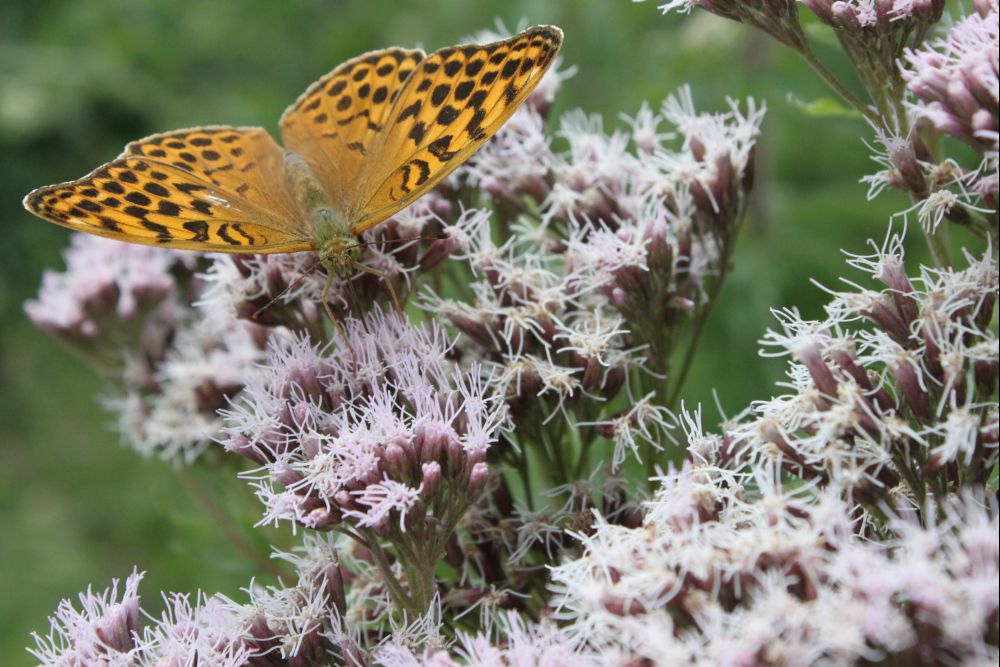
<point>845,93</point>
<point>225,523</point>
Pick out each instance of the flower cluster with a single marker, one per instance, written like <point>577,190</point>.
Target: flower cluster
<point>778,18</point>
<point>295,625</point>
<point>106,298</point>
<point>891,394</point>
<point>956,82</point>
<point>609,253</point>
<point>915,89</point>
<point>131,310</point>
<point>873,34</point>
<point>736,568</point>
<point>380,431</point>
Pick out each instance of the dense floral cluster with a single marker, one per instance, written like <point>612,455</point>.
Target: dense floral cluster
<point>628,247</point>
<point>467,452</point>
<point>379,430</point>
<point>132,311</point>
<point>733,568</point>
<point>956,81</point>
<point>913,83</point>
<point>892,393</point>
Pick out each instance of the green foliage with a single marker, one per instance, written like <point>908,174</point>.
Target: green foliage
<point>79,80</point>
<point>823,107</point>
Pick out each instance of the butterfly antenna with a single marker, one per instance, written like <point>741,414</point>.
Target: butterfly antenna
<point>295,283</point>
<point>437,237</point>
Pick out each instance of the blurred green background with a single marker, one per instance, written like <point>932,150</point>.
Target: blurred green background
<point>79,80</point>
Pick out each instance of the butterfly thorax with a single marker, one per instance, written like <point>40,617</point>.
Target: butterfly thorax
<point>336,245</point>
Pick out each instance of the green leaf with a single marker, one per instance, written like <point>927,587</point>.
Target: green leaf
<point>823,107</point>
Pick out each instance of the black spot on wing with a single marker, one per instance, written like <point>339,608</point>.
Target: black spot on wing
<point>440,94</point>
<point>162,233</point>
<point>156,189</point>
<point>108,223</point>
<point>136,211</point>
<point>223,233</point>
<point>447,115</point>
<point>411,110</point>
<point>463,89</point>
<point>199,228</point>
<point>168,208</point>
<point>236,227</point>
<point>439,148</point>
<point>417,132</point>
<point>424,169</point>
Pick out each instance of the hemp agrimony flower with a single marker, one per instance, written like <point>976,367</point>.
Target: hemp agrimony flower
<point>504,470</point>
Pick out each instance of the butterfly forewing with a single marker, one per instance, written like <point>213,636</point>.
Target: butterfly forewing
<point>336,122</point>
<point>377,132</point>
<point>456,99</point>
<point>185,189</point>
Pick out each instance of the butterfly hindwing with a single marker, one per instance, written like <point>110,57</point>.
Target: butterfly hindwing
<point>377,132</point>
<point>453,103</point>
<point>336,122</point>
<point>155,194</point>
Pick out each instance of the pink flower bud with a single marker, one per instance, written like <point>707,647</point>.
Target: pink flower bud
<point>285,474</point>
<point>478,477</point>
<point>439,250</point>
<point>344,499</point>
<point>321,517</point>
<point>845,16</point>
<point>431,478</point>
<point>810,355</point>
<point>614,379</point>
<point>396,461</point>
<point>239,444</point>
<point>916,397</point>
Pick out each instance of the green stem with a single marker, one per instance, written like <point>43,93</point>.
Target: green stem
<point>838,87</point>
<point>225,523</point>
<point>937,241</point>
<point>371,542</point>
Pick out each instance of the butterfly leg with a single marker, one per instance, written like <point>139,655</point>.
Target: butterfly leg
<point>341,329</point>
<point>385,281</point>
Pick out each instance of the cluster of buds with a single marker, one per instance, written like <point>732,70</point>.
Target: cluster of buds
<point>873,34</point>
<point>111,298</point>
<point>778,18</point>
<point>734,568</point>
<point>956,82</point>
<point>379,432</point>
<point>302,625</point>
<point>131,310</point>
<point>613,251</point>
<point>893,391</point>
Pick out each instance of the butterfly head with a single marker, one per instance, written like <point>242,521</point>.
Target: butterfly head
<point>339,255</point>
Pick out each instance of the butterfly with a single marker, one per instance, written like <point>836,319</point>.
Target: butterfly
<point>361,144</point>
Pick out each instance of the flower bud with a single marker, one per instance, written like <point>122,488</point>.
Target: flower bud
<point>439,250</point>
<point>478,477</point>
<point>396,462</point>
<point>431,478</point>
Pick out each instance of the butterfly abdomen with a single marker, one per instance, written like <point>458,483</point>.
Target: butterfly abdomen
<point>337,247</point>
<point>305,186</point>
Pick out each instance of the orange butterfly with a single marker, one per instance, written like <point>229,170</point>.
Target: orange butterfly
<point>362,143</point>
